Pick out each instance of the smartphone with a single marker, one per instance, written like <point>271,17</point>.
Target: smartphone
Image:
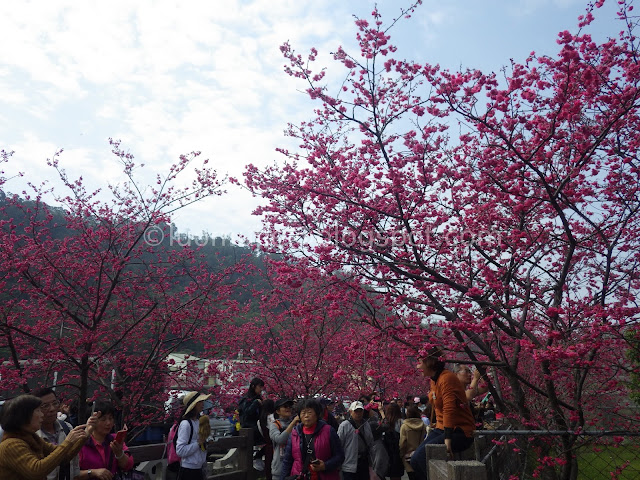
<point>315,462</point>
<point>120,436</point>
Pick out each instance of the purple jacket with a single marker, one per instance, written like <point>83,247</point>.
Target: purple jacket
<point>326,445</point>
<point>90,458</point>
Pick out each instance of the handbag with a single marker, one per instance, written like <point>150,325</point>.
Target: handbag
<point>302,476</point>
<point>130,475</point>
<point>372,474</point>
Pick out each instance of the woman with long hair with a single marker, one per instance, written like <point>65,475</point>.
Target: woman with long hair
<point>191,450</point>
<point>391,440</point>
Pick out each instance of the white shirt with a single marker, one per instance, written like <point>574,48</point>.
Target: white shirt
<point>190,453</point>
<point>57,438</point>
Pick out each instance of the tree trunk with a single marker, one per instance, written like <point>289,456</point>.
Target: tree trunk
<point>83,412</point>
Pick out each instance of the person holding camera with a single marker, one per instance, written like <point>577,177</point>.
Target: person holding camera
<point>23,454</point>
<point>104,454</point>
<point>313,451</point>
<point>470,380</point>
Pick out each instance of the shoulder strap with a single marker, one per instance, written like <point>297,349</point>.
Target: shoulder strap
<point>175,437</point>
<point>65,426</point>
<point>279,425</point>
<point>360,433</point>
<point>309,450</point>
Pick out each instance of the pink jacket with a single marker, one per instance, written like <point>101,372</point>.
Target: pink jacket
<point>327,447</point>
<point>91,458</point>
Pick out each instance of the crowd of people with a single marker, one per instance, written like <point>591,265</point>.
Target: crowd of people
<point>320,439</point>
<point>36,444</point>
<point>295,439</point>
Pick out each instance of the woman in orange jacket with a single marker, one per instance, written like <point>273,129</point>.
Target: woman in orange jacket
<point>454,421</point>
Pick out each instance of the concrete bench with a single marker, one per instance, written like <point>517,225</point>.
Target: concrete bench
<point>457,470</point>
<point>463,467</point>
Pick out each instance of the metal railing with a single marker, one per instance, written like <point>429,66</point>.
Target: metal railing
<point>559,455</point>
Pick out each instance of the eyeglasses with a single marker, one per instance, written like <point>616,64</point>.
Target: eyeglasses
<point>47,406</point>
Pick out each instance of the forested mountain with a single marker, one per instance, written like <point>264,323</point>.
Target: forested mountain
<point>218,252</point>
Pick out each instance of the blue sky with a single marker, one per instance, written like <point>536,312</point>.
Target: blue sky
<point>169,77</point>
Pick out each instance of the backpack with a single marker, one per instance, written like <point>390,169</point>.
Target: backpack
<point>279,425</point>
<point>249,419</point>
<point>65,427</point>
<point>173,460</point>
<point>243,406</point>
<point>391,442</point>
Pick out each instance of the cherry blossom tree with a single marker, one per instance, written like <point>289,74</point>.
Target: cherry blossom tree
<point>498,211</point>
<point>94,291</point>
<point>313,335</point>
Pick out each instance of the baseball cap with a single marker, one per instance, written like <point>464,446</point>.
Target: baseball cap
<point>283,401</point>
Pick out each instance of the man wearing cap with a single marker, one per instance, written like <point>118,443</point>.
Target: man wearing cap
<point>357,438</point>
<point>280,430</point>
<point>193,455</point>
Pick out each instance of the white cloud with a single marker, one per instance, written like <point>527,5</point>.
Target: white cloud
<point>168,77</point>
<point>529,7</point>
